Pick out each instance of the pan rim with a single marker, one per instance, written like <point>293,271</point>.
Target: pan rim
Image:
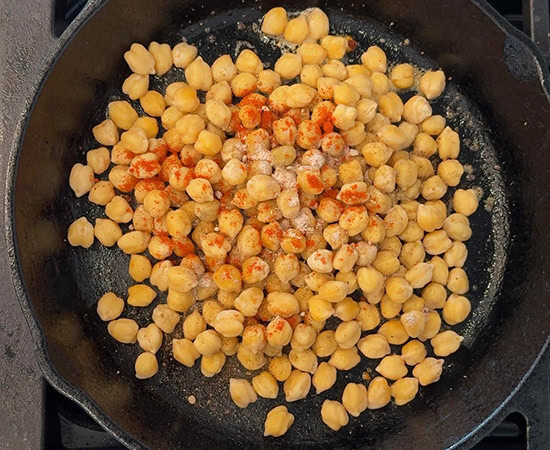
<point>14,147</point>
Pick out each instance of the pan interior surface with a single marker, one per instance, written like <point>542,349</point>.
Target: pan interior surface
<point>64,283</point>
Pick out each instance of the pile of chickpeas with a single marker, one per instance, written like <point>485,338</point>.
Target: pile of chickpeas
<point>291,196</point>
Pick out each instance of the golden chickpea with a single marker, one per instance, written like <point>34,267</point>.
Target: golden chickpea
<point>434,295</point>
<point>374,346</point>
<point>394,332</point>
<point>184,352</point>
<point>392,367</point>
<point>133,242</point>
<point>280,367</point>
<point>275,21</point>
<point>355,398</point>
<point>379,394</point>
<point>345,359</point>
<point>146,366</point>
<point>334,415</point>
<point>123,330</point>
<point>288,66</point>
<point>297,30</point>
<point>465,201</point>
<point>457,227</point>
<point>450,171</point>
<point>448,144</point>
<point>413,352</point>
<point>183,54</point>
<point>297,385</point>
<point>416,110</point>
<point>432,326</point>
<point>380,83</point>
<point>404,390</point>
<point>432,84</point>
<point>389,308</point>
<point>109,307</point>
<point>375,59</point>
<point>325,344</point>
<point>278,421</point>
<point>428,371</point>
<point>165,318</point>
<point>402,76</point>
<point>135,86</point>
<point>242,393</point>
<point>318,24</point>
<point>437,242</point>
<point>456,309</point>
<point>324,377</point>
<point>446,343</point>
<point>424,145</point>
<point>458,282</point>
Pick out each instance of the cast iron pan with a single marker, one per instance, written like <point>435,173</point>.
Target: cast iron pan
<point>497,97</point>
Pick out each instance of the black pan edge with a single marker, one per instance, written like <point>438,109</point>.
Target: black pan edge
<point>12,149</point>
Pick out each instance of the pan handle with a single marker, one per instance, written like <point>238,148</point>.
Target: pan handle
<point>536,24</point>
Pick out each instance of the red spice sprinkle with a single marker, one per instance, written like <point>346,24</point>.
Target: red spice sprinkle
<point>256,100</point>
<point>352,195</point>
<point>328,127</point>
<point>315,182</point>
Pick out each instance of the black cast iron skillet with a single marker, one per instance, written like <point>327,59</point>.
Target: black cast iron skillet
<point>497,97</point>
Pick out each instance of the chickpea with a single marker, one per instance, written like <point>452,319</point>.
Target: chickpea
<point>242,393</point>
<point>146,366</point>
<point>229,346</point>
<point>394,332</point>
<point>248,61</point>
<point>184,352</point>
<point>150,338</point>
<point>428,371</point>
<point>380,84</point>
<point>123,330</point>
<point>456,309</point>
<point>135,86</point>
<point>369,279</point>
<point>140,295</point>
<point>465,201</point>
<point>375,59</point>
<point>275,21</point>
<point>263,187</point>
<point>109,307</point>
<point>446,343</point>
<point>334,415</point>
<point>416,110</point>
<point>199,75</point>
<point>312,53</point>
<point>434,295</point>
<point>347,334</point>
<point>457,227</point>
<point>325,344</point>
<point>440,271</point>
<point>335,46</point>
<point>212,365</point>
<point>306,360</point>
<point>437,242</point>
<point>159,276</point>
<point>432,84</point>
<point>324,377</point>
<point>345,359</point>
<point>193,325</point>
<point>280,367</point>
<point>268,81</point>
<point>133,242</point>
<point>344,117</point>
<point>413,352</point>
<point>402,76</point>
<point>278,421</point>
<point>297,385</point>
<point>250,360</point>
<point>391,106</point>
<point>450,171</point>
<point>376,154</point>
<point>278,332</point>
<point>297,30</point>
<point>288,66</point>
<point>379,393</point>
<point>374,346</point>
<point>106,133</point>
<point>432,326</point>
<point>300,96</point>
<point>392,367</point>
<point>355,398</point>
<point>424,145</point>
<point>165,318</point>
<point>81,179</point>
<point>448,144</point>
<point>183,54</point>
<point>368,316</point>
<point>389,308</point>
<point>404,390</point>
<point>458,282</point>
<point>318,24</point>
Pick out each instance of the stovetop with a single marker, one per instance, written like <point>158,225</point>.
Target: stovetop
<point>34,416</point>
